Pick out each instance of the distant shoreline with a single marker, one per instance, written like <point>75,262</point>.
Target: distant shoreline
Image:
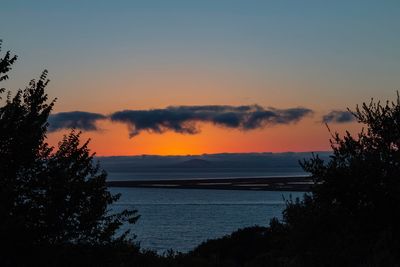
<point>297,184</point>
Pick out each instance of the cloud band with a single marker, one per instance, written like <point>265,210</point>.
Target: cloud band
<point>182,119</point>
<point>74,119</point>
<point>338,116</point>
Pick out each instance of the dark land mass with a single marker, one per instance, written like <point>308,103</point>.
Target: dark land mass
<point>301,184</point>
<point>238,161</point>
<point>193,163</point>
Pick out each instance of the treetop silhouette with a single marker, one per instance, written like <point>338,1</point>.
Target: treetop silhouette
<point>49,195</point>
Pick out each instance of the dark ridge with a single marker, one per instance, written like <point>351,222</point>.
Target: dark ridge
<point>193,163</point>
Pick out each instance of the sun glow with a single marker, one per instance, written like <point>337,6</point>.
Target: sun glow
<point>113,139</point>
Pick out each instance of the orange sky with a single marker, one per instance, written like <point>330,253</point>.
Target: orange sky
<point>307,135</point>
<point>159,87</point>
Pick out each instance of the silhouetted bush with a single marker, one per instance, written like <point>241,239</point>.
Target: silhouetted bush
<point>235,249</point>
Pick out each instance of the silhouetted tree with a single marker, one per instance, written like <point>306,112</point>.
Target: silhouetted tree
<point>49,196</point>
<point>352,216</point>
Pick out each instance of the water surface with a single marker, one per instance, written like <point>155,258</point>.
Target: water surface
<point>180,219</point>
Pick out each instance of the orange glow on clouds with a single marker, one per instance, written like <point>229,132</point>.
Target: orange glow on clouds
<point>113,139</point>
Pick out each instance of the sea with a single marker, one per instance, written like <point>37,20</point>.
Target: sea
<point>181,219</point>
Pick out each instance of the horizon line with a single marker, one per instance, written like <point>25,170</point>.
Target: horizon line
<point>206,154</point>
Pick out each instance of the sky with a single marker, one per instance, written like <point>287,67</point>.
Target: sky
<point>193,77</point>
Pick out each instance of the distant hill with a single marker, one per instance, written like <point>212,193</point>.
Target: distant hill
<point>223,160</point>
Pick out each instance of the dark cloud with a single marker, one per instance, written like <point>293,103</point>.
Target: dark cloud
<point>183,119</point>
<point>75,119</point>
<point>338,116</point>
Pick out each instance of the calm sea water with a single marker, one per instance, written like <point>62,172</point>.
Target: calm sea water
<point>180,219</point>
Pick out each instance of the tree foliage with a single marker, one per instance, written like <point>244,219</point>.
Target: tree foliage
<point>49,196</point>
<point>353,214</point>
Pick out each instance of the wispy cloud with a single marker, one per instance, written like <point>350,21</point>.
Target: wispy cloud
<point>74,119</point>
<point>338,116</point>
<point>184,119</point>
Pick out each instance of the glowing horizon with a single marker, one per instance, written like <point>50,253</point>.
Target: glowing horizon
<point>297,139</point>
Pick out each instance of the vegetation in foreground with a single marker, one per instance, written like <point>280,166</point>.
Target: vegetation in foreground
<point>54,202</point>
<point>49,197</point>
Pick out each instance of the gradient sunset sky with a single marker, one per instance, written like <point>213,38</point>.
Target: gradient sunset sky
<point>105,57</point>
